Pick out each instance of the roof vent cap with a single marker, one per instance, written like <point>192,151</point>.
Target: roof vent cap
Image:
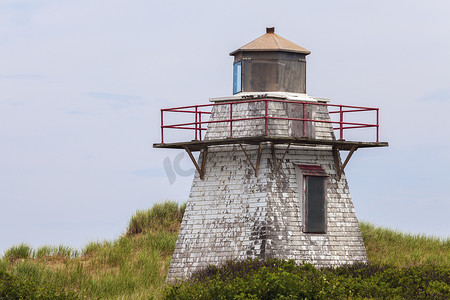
<point>270,29</point>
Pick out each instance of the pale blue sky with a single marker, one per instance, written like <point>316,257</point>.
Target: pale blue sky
<point>82,82</point>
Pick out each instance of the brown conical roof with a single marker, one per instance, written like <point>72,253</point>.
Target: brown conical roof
<point>272,42</point>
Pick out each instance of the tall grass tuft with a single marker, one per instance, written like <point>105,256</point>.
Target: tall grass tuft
<point>65,251</point>
<point>21,251</point>
<point>165,216</point>
<point>43,251</point>
<point>92,247</point>
<point>387,246</point>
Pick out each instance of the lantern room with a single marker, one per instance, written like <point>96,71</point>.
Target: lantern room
<point>270,63</point>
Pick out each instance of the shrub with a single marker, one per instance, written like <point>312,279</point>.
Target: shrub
<point>14,287</point>
<point>278,279</point>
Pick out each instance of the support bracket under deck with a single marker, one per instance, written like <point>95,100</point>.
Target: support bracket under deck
<point>200,169</point>
<point>275,165</point>
<point>337,161</point>
<point>258,158</point>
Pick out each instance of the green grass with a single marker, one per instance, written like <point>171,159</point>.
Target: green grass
<point>131,267</point>
<point>135,265</point>
<point>386,246</point>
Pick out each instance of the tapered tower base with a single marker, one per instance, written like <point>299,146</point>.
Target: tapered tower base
<point>234,214</point>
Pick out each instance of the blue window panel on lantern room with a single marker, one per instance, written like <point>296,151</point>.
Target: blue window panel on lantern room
<point>237,77</point>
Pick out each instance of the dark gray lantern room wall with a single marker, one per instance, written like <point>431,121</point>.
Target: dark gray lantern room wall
<point>272,71</point>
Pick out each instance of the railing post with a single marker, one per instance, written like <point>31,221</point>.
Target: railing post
<point>231,119</point>
<point>162,127</point>
<point>200,123</point>
<point>196,122</point>
<point>303,119</point>
<point>378,125</point>
<point>265,117</point>
<point>341,119</point>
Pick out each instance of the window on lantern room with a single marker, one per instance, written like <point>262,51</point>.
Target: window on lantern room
<point>237,77</point>
<point>313,189</point>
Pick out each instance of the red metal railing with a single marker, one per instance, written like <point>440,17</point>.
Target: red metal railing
<point>199,110</point>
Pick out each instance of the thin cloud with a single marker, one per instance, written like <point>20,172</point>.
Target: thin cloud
<point>77,112</point>
<point>16,104</point>
<point>151,172</point>
<point>115,100</point>
<point>111,96</point>
<point>22,6</point>
<point>21,76</point>
<point>439,95</point>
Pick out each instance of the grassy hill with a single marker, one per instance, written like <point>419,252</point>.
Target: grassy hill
<point>135,265</point>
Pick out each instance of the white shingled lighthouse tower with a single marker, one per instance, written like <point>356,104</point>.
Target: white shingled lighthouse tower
<point>270,181</point>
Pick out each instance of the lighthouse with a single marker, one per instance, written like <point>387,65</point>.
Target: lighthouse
<point>269,181</point>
